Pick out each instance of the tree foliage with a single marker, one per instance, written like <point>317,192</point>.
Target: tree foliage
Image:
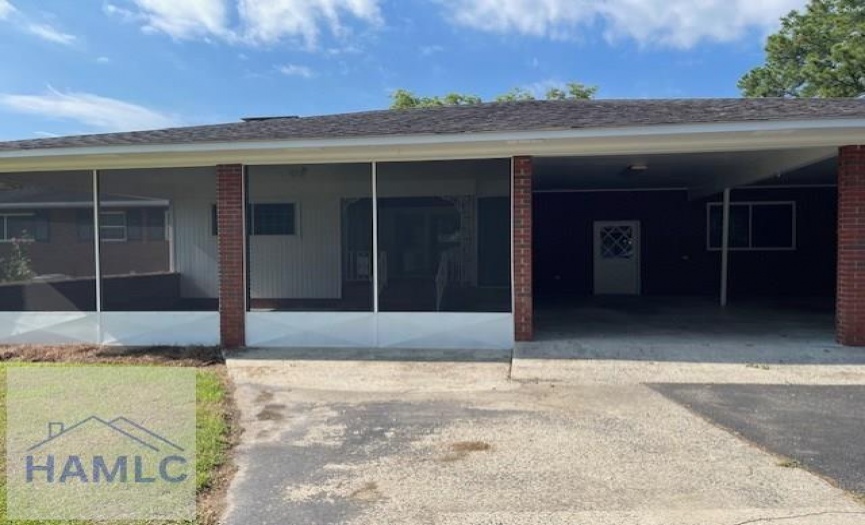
<point>404,99</point>
<point>818,52</point>
<point>17,266</point>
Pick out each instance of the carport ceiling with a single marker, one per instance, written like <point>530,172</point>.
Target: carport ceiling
<point>686,171</point>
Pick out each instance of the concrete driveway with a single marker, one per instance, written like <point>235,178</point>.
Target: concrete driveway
<point>440,442</point>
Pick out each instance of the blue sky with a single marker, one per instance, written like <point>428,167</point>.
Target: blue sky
<point>89,66</point>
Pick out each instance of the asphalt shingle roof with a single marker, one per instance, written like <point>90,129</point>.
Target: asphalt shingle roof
<point>491,117</point>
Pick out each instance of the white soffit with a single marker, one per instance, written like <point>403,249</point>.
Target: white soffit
<point>742,136</point>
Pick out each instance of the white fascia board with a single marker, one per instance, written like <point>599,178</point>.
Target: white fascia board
<point>685,138</point>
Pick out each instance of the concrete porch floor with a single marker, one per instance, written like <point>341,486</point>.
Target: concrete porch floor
<point>688,329</point>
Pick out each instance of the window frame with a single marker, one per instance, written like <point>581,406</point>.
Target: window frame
<point>751,205</point>
<point>250,219</point>
<point>124,227</point>
<point>35,215</point>
<point>4,218</point>
<point>88,225</point>
<point>294,214</point>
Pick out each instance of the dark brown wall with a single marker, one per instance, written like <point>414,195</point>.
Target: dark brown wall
<point>675,258</point>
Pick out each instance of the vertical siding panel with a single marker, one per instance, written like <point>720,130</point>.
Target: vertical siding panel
<point>192,193</point>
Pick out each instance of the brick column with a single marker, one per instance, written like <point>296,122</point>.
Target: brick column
<point>850,309</point>
<point>522,240</point>
<point>232,269</point>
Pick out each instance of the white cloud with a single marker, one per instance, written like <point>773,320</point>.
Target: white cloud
<point>179,19</point>
<point>269,21</point>
<point>431,50</point>
<point>103,60</point>
<point>44,31</point>
<point>673,23</point>
<point>293,70</point>
<point>6,9</point>
<point>100,113</point>
<point>252,22</point>
<point>51,34</point>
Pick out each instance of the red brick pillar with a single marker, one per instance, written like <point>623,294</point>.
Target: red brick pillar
<point>522,239</point>
<point>850,309</point>
<point>232,255</point>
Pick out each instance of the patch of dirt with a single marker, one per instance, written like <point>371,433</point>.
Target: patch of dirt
<point>274,412</point>
<point>193,356</point>
<point>462,449</point>
<point>470,446</point>
<point>264,396</point>
<point>369,493</point>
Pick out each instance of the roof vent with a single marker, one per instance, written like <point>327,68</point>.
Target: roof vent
<point>262,119</point>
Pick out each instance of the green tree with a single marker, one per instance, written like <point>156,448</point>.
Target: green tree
<point>573,90</point>
<point>819,52</point>
<point>404,99</point>
<point>515,94</point>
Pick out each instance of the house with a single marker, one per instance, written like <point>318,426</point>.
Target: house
<point>440,227</point>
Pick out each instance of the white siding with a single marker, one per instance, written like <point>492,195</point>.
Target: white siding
<point>192,194</point>
<point>308,264</point>
<point>304,265</point>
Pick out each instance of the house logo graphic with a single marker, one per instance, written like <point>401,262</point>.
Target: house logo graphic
<point>102,451</point>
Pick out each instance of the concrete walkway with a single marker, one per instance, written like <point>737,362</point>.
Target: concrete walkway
<point>437,441</point>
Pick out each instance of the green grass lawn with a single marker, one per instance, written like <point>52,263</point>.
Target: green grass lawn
<point>213,440</point>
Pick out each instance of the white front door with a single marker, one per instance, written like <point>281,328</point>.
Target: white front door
<point>617,257</point>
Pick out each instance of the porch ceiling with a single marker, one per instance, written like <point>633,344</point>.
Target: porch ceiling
<point>700,173</point>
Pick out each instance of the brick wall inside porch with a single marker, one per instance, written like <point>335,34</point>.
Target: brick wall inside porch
<point>232,257</point>
<point>522,239</point>
<point>851,246</point>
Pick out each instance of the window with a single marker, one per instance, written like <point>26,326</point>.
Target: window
<point>24,225</point>
<point>264,219</point>
<point>753,226</point>
<point>272,219</point>
<point>112,225</point>
<point>138,224</point>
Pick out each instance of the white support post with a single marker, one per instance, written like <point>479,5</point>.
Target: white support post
<point>375,237</point>
<point>97,251</point>
<point>725,247</point>
<point>97,255</point>
<point>513,247</point>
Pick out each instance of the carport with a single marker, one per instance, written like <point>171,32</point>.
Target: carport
<point>639,255</point>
